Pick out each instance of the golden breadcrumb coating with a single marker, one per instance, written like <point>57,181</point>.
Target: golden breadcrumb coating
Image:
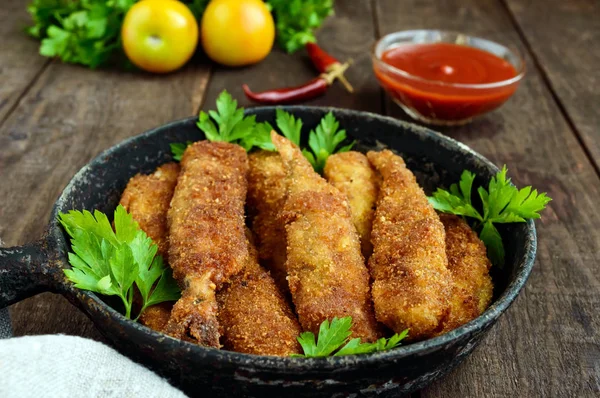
<point>254,316</point>
<point>266,195</point>
<point>157,316</point>
<point>326,271</point>
<point>411,281</point>
<point>352,174</point>
<point>472,287</point>
<point>207,241</point>
<point>147,199</point>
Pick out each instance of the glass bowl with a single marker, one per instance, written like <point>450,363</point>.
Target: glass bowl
<point>435,101</point>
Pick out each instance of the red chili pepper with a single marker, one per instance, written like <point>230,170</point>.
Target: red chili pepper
<point>311,89</point>
<point>320,58</point>
<point>326,63</point>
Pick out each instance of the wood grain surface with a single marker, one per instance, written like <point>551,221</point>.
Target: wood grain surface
<point>21,63</point>
<point>56,118</point>
<point>564,38</point>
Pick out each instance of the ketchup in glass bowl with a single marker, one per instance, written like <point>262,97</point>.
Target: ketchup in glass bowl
<point>446,78</point>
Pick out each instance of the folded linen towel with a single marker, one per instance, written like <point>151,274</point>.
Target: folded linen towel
<point>68,366</point>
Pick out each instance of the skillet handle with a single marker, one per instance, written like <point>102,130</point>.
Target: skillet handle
<point>25,271</point>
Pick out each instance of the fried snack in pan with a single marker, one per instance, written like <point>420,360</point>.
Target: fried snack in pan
<point>266,195</point>
<point>411,280</point>
<point>207,241</point>
<point>472,287</point>
<point>254,316</point>
<point>326,271</point>
<point>352,174</point>
<point>147,199</point>
<point>157,316</point>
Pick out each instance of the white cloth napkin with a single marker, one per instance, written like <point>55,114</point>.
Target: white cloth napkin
<point>68,366</point>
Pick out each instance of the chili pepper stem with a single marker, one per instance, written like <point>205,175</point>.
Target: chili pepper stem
<point>346,84</point>
<point>337,72</point>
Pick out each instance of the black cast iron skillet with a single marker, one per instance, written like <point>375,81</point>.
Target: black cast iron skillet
<point>436,160</point>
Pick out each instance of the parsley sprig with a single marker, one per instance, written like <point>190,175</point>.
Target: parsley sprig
<point>334,340</point>
<point>82,32</point>
<point>178,148</point>
<point>229,124</point>
<point>502,203</point>
<point>297,20</point>
<point>324,141</point>
<point>289,126</point>
<point>111,262</point>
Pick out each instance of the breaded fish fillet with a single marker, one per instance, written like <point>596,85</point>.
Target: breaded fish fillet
<point>254,316</point>
<point>352,174</point>
<point>147,199</point>
<point>326,271</point>
<point>472,287</point>
<point>207,241</point>
<point>266,195</point>
<point>411,281</point>
<point>157,316</point>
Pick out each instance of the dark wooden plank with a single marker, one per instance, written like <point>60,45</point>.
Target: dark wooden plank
<point>68,116</point>
<point>348,34</point>
<point>564,37</point>
<point>20,62</point>
<point>547,343</point>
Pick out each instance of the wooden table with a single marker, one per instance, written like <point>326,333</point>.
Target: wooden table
<point>54,118</point>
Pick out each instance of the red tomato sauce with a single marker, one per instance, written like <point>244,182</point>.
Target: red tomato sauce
<point>434,64</point>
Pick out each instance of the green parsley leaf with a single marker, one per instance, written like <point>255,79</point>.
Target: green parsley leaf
<point>229,124</point>
<point>227,116</point>
<point>82,32</point>
<point>331,337</point>
<point>261,134</point>
<point>260,138</point>
<point>324,141</point>
<point>289,126</point>
<point>232,126</point>
<point>458,200</point>
<point>111,262</point>
<point>493,243</point>
<point>502,202</point>
<point>296,20</point>
<point>354,346</point>
<point>178,148</point>
<point>334,335</point>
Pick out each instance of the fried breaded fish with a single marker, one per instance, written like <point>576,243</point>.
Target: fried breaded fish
<point>147,199</point>
<point>472,287</point>
<point>411,280</point>
<point>207,241</point>
<point>254,316</point>
<point>352,174</point>
<point>326,272</point>
<point>266,195</point>
<point>157,316</point>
